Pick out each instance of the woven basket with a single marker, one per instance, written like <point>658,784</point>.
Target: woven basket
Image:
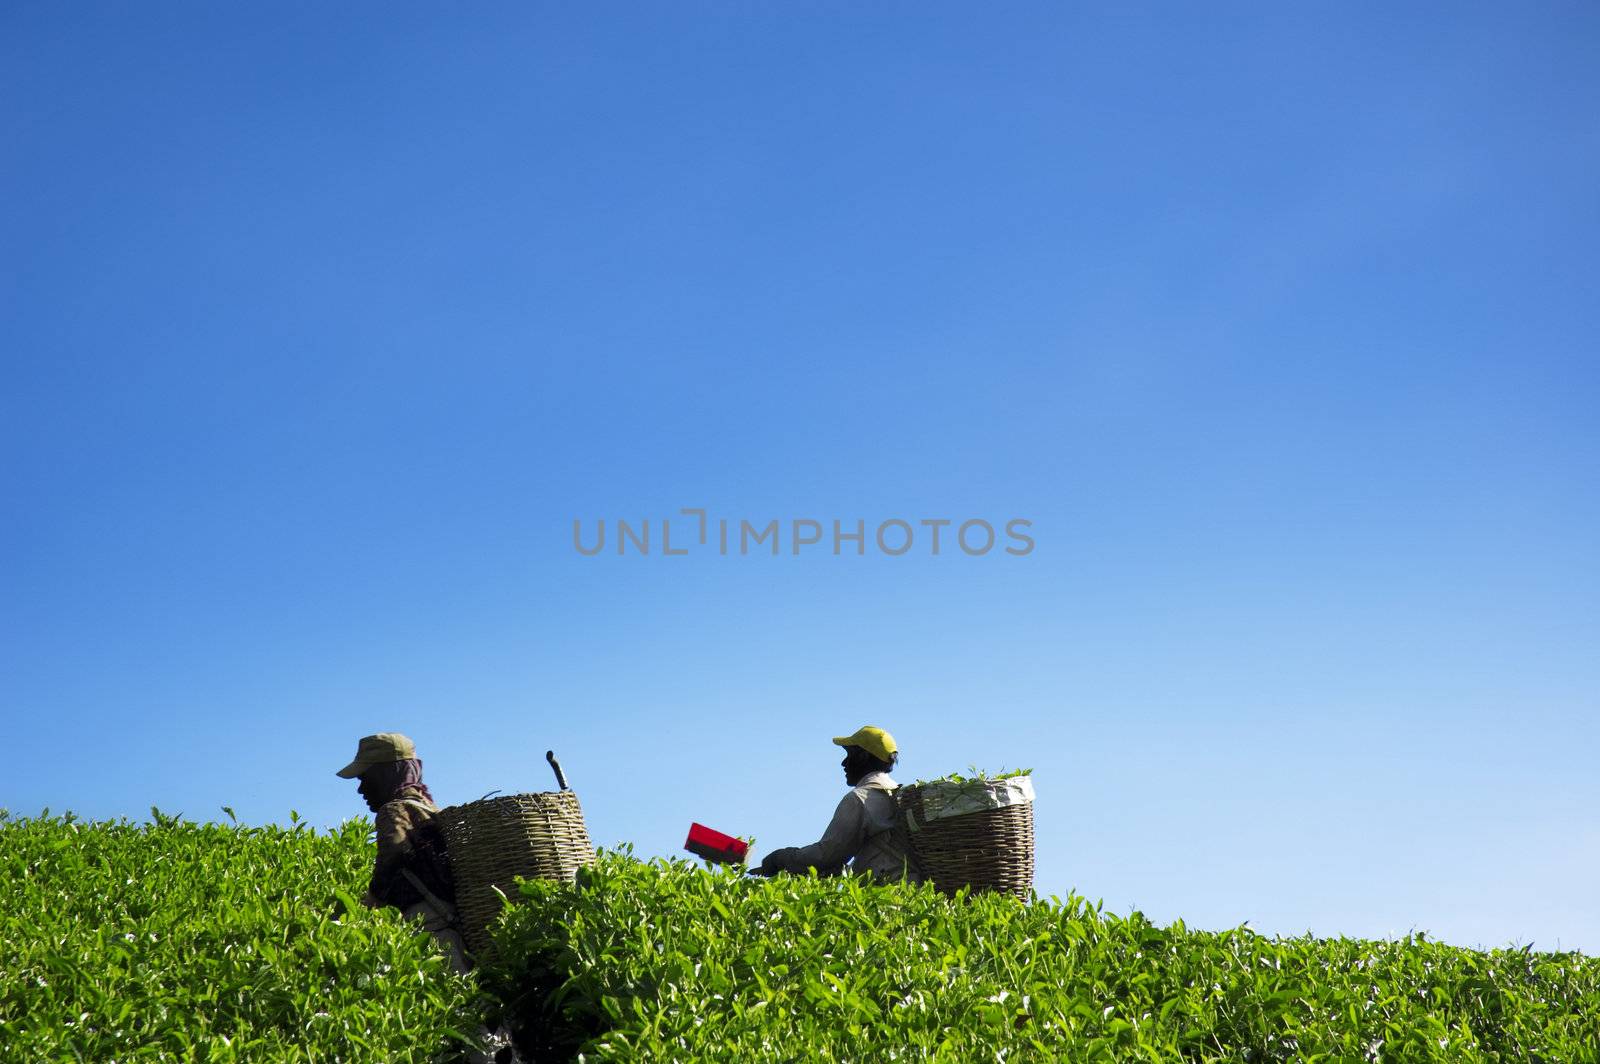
<point>493,841</point>
<point>977,834</point>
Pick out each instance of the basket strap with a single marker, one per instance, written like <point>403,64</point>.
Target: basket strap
<point>444,908</point>
<point>905,841</point>
<point>910,813</point>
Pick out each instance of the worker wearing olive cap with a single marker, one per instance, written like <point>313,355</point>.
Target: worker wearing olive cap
<point>412,871</point>
<point>865,830</point>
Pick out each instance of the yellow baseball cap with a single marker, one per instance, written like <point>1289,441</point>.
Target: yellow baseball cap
<point>377,750</point>
<point>875,741</point>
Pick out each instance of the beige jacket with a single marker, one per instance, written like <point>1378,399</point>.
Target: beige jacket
<point>863,831</point>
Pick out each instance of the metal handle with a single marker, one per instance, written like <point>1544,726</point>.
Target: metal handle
<point>555,766</point>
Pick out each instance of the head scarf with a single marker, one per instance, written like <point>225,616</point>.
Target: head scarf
<point>393,779</point>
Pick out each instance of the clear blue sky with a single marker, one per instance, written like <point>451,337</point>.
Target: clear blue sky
<point>322,323</point>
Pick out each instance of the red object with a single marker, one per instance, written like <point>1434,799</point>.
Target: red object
<point>714,845</point>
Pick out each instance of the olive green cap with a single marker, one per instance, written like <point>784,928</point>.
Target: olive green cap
<point>377,750</point>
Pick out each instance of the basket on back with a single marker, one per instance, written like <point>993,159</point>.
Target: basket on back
<point>494,840</point>
<point>972,833</point>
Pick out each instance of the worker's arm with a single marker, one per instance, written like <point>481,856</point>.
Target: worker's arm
<point>829,853</point>
<point>393,822</point>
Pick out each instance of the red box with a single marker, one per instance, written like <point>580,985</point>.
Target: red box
<point>714,846</point>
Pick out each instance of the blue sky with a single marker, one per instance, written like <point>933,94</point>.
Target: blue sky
<point>322,326</point>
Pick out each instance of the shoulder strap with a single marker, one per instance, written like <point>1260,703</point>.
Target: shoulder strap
<point>444,908</point>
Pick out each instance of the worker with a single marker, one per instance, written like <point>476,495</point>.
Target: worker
<point>412,870</point>
<point>865,830</point>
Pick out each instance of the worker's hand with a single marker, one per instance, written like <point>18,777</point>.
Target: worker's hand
<point>773,863</point>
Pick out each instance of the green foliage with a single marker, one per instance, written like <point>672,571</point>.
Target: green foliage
<point>977,775</point>
<point>207,942</point>
<point>667,962</point>
<point>204,942</point>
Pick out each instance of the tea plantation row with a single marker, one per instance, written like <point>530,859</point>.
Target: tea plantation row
<point>202,942</point>
<point>664,961</point>
<point>180,941</point>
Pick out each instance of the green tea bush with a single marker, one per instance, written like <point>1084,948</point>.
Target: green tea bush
<point>203,942</point>
<point>669,962</point>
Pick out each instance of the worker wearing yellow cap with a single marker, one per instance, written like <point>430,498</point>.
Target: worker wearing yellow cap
<point>865,828</point>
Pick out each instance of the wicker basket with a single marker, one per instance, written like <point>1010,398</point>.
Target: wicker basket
<point>493,841</point>
<point>976,834</point>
